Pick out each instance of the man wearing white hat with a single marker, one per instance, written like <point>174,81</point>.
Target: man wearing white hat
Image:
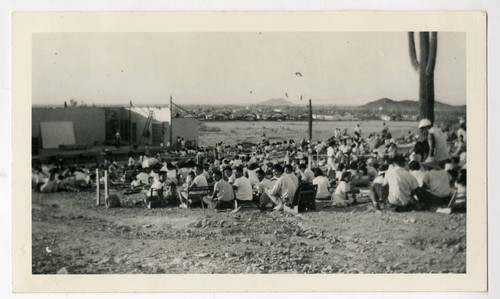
<point>438,150</point>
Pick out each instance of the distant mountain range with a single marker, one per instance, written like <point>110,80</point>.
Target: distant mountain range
<point>386,104</point>
<point>383,104</point>
<point>276,102</point>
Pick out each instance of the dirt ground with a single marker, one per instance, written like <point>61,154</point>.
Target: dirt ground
<point>70,234</point>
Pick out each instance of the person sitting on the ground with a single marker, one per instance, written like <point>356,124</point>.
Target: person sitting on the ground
<point>417,172</point>
<point>264,183</point>
<point>158,187</point>
<point>229,175</point>
<point>461,185</point>
<point>340,196</point>
<point>236,161</point>
<point>402,186</point>
<point>241,186</point>
<point>340,172</point>
<point>306,175</point>
<point>378,192</point>
<point>410,137</point>
<point>198,181</point>
<point>282,191</point>
<point>142,178</point>
<point>50,183</point>
<point>206,172</point>
<point>289,172</point>
<point>171,171</point>
<point>322,191</point>
<point>371,169</point>
<point>223,196</point>
<point>438,183</point>
<point>460,146</point>
<point>251,173</point>
<point>392,150</point>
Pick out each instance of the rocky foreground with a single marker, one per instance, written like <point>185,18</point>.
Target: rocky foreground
<point>72,235</point>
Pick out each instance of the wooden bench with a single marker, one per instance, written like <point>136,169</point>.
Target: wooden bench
<point>195,195</point>
<point>304,199</point>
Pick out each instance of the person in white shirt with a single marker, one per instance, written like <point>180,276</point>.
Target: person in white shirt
<point>437,180</point>
<point>330,154</point>
<point>289,172</point>
<point>236,161</point>
<point>379,192</point>
<point>417,172</point>
<point>158,185</point>
<point>438,149</point>
<point>251,173</point>
<point>241,186</point>
<point>343,188</point>
<point>462,131</point>
<point>322,192</point>
<point>199,181</point>
<point>264,184</point>
<point>283,190</point>
<point>357,129</point>
<point>402,186</point>
<point>50,183</point>
<point>229,175</point>
<point>306,175</point>
<point>131,161</point>
<point>223,195</point>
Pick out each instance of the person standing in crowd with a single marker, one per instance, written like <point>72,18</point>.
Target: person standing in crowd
<point>118,139</point>
<point>357,129</point>
<point>330,154</point>
<point>438,150</point>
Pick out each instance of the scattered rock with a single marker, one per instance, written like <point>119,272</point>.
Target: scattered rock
<point>62,271</point>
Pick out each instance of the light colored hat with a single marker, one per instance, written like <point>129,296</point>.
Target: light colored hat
<point>424,123</point>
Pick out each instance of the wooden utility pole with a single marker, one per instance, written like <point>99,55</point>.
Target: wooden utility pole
<point>171,121</point>
<point>310,121</point>
<point>130,124</point>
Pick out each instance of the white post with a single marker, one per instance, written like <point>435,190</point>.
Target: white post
<point>98,200</point>
<point>106,190</point>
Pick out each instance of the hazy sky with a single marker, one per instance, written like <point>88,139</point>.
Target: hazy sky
<point>217,68</point>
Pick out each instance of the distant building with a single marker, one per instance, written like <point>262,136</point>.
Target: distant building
<point>98,126</point>
<point>390,117</point>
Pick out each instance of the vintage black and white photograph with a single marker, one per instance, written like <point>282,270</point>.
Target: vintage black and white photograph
<point>249,152</point>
